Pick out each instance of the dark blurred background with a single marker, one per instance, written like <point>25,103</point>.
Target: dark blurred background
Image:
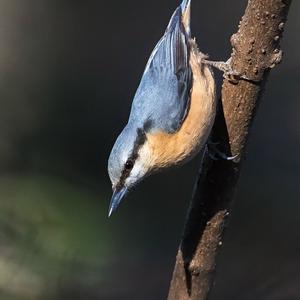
<point>68,73</point>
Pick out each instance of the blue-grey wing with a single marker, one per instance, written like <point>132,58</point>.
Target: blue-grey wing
<point>163,95</point>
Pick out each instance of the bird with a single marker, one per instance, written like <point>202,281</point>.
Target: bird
<point>172,112</point>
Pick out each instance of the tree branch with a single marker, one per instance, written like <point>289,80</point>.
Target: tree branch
<point>255,52</point>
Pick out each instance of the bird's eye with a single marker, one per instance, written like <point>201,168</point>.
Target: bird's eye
<point>129,165</point>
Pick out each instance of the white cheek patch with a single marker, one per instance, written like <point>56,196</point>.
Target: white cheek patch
<point>145,156</point>
<point>136,174</point>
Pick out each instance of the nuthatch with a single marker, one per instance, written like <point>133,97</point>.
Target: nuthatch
<point>172,113</point>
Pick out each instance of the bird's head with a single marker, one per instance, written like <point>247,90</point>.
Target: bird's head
<point>129,162</point>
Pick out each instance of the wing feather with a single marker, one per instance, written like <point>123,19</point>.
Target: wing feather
<point>163,95</point>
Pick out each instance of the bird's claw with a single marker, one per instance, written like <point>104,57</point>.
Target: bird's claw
<point>215,154</point>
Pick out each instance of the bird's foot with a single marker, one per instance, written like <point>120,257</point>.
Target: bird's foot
<point>228,72</point>
<point>215,154</point>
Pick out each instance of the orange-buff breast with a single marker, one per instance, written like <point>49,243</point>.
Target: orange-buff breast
<point>171,149</point>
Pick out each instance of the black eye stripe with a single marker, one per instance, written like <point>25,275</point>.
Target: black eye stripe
<point>139,142</point>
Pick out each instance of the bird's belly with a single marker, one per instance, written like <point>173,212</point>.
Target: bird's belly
<point>171,149</point>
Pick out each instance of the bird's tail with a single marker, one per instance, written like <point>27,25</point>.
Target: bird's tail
<point>182,14</point>
<point>186,15</point>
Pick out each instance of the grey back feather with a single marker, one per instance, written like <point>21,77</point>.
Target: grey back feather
<point>163,94</point>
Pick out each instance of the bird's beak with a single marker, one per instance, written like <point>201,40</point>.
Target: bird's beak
<point>118,195</point>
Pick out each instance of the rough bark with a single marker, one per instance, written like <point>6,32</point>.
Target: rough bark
<point>255,52</point>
